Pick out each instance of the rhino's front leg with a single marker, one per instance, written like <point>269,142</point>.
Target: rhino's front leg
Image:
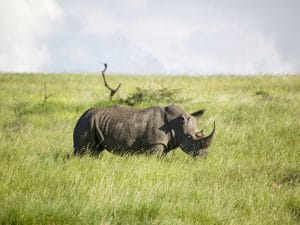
<point>158,149</point>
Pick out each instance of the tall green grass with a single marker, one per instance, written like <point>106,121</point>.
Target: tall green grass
<point>251,176</point>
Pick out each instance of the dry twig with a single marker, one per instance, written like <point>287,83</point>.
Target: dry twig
<point>46,96</point>
<point>112,91</point>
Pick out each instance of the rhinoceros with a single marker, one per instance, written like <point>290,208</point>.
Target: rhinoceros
<point>124,130</point>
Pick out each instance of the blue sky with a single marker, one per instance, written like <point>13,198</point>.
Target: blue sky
<point>150,36</point>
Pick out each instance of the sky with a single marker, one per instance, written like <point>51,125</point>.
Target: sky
<point>150,36</point>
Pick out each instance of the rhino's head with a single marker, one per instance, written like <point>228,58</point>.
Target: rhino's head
<point>191,140</point>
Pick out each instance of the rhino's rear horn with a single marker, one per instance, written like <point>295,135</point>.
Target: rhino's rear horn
<point>208,139</point>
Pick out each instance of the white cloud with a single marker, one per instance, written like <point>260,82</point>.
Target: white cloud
<point>23,26</point>
<point>148,36</point>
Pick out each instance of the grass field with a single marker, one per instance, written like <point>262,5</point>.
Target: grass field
<point>251,176</point>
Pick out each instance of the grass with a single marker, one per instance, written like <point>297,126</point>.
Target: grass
<point>251,176</point>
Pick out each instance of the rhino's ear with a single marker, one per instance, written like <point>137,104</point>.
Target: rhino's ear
<point>198,113</point>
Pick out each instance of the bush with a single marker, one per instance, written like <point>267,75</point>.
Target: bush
<point>162,95</point>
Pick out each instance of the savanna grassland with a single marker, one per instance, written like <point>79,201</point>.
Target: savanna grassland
<point>251,176</point>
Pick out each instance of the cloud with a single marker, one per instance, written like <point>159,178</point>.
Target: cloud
<point>87,53</point>
<point>23,26</point>
<point>143,36</point>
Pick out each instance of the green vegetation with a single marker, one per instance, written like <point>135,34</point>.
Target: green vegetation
<point>142,95</point>
<point>251,176</point>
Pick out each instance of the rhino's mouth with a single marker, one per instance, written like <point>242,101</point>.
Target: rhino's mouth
<point>201,153</point>
<point>200,145</point>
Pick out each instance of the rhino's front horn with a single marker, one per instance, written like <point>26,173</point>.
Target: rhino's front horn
<point>206,141</point>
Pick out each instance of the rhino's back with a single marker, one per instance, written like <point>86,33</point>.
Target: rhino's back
<point>127,129</point>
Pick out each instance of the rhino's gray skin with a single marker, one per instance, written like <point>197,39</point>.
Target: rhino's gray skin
<point>124,130</point>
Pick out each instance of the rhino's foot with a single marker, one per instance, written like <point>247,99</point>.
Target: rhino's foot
<point>96,150</point>
<point>79,151</point>
<point>158,150</point>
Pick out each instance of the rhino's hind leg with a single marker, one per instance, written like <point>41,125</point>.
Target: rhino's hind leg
<point>81,149</point>
<point>96,149</point>
<point>87,138</point>
<point>80,143</point>
<point>90,148</point>
<point>89,145</point>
